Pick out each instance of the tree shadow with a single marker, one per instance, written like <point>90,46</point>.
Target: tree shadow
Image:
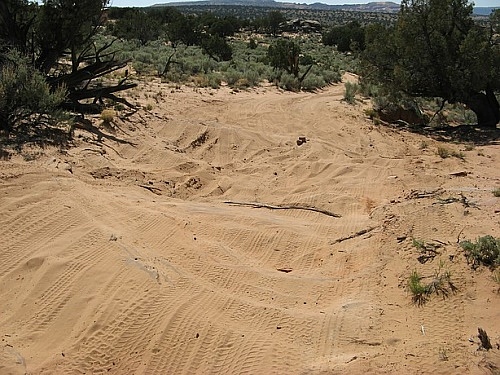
<point>42,137</point>
<point>47,135</point>
<point>471,134</point>
<point>87,125</point>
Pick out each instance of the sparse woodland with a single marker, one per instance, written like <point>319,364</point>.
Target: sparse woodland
<point>429,57</point>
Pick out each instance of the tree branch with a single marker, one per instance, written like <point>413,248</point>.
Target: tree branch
<point>284,207</point>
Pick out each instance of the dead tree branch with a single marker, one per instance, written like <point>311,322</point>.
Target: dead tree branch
<point>357,234</point>
<point>284,207</point>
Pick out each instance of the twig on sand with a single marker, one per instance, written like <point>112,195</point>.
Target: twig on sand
<point>417,194</point>
<point>152,189</point>
<point>459,233</point>
<point>283,207</point>
<point>357,234</point>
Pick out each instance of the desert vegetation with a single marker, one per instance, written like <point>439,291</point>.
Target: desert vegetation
<point>485,251</point>
<point>429,54</point>
<point>295,191</point>
<point>440,284</point>
<point>72,51</point>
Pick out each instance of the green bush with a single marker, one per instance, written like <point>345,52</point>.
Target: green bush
<point>232,76</point>
<point>313,82</point>
<point>350,37</point>
<point>289,82</point>
<point>253,77</point>
<point>214,80</point>
<point>24,93</point>
<point>485,251</point>
<point>252,44</point>
<point>331,76</point>
<point>418,290</point>
<point>440,284</point>
<point>351,89</point>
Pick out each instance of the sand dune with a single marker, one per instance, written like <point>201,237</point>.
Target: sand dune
<point>121,254</point>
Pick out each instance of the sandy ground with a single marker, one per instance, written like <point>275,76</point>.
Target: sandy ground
<point>121,254</point>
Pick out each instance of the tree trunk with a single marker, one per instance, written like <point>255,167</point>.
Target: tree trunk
<point>486,107</point>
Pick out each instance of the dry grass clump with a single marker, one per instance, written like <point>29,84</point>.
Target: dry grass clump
<point>445,152</point>
<point>108,115</point>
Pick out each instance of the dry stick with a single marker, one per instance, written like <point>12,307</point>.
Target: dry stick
<point>283,207</point>
<point>357,234</point>
<point>152,189</point>
<point>415,194</point>
<point>459,233</point>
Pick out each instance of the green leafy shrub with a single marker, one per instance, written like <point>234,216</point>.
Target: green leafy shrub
<point>350,37</point>
<point>24,93</point>
<point>418,290</point>
<point>440,284</point>
<point>485,251</point>
<point>285,54</point>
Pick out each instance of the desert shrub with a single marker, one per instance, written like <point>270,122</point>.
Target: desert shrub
<point>253,77</point>
<point>444,153</point>
<point>208,65</point>
<point>496,278</point>
<point>496,192</point>
<point>108,115</point>
<point>24,93</point>
<point>200,80</point>
<point>285,54</point>
<point>440,284</point>
<point>368,89</point>
<point>331,76</point>
<point>214,80</point>
<point>350,37</point>
<point>351,89</point>
<point>289,82</point>
<point>252,44</point>
<point>418,290</point>
<point>485,251</point>
<point>242,83</point>
<point>312,82</point>
<point>144,57</point>
<point>232,76</point>
<point>423,145</point>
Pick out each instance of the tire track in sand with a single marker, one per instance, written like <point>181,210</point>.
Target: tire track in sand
<point>83,254</point>
<point>28,232</point>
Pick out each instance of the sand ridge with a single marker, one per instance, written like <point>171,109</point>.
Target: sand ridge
<point>120,255</point>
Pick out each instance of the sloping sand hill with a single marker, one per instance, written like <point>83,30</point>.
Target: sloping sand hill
<point>200,238</point>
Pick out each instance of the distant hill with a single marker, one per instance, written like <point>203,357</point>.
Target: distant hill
<point>385,7</point>
<point>484,11</point>
<point>379,6</point>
